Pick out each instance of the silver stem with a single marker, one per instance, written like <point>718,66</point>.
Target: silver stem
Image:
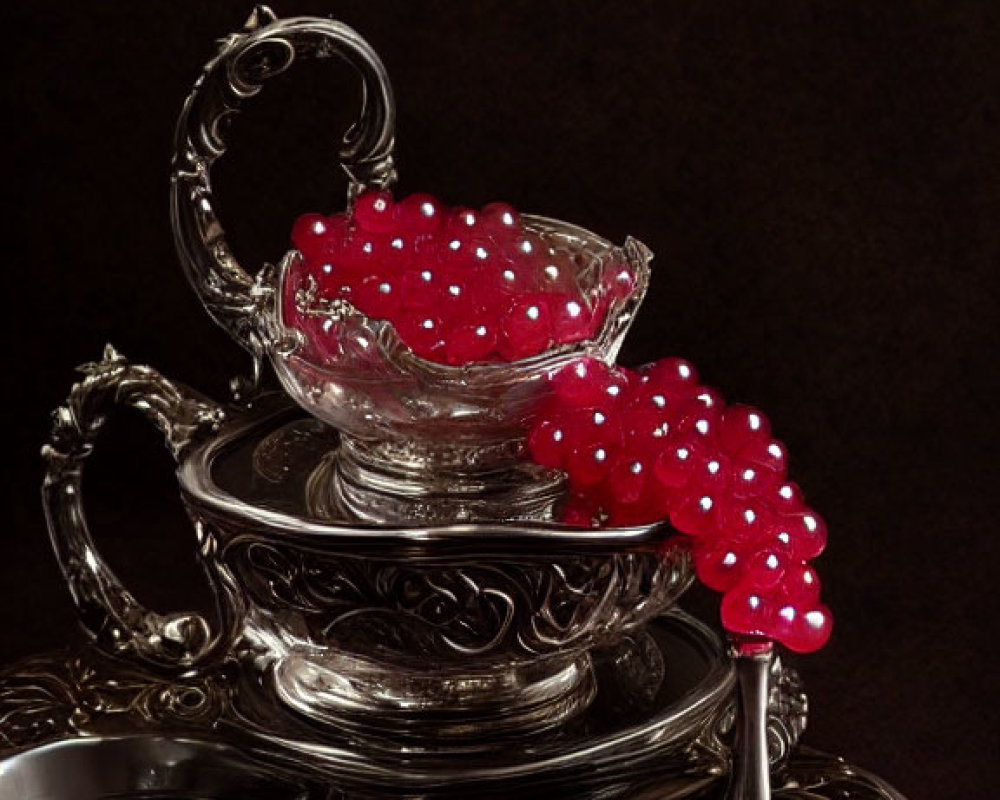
<point>750,778</point>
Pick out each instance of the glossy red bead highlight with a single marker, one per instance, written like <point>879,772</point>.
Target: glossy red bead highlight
<point>524,291</point>
<point>652,445</point>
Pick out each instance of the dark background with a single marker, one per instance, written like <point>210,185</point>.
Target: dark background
<point>820,183</point>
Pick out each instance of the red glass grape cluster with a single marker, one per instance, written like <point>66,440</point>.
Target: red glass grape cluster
<point>459,286</point>
<point>653,444</point>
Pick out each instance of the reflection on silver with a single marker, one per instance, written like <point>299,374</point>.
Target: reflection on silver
<point>445,654</point>
<point>477,620</point>
<point>216,732</point>
<point>265,47</point>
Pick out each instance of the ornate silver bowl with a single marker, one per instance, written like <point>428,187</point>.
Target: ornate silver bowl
<point>396,608</point>
<point>438,630</point>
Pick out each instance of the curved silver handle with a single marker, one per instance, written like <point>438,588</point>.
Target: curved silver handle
<point>118,622</point>
<point>265,47</point>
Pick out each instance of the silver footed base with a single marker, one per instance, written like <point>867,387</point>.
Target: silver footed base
<point>85,726</point>
<point>345,692</point>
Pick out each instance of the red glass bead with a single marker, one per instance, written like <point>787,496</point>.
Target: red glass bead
<point>627,479</point>
<point>711,475</point>
<point>802,629</point>
<point>803,532</point>
<point>556,272</point>
<point>458,299</point>
<point>419,214</point>
<point>462,220</point>
<point>700,421</point>
<point>334,277</point>
<point>362,253</point>
<point>671,376</point>
<point>740,425</point>
<point>677,462</point>
<point>619,283</point>
<point>744,519</point>
<point>422,287</point>
<point>592,426</point>
<point>748,612</point>
<point>548,444</point>
<point>646,432</point>
<point>525,328</point>
<point>570,318</point>
<point>373,211</point>
<point>769,454</point>
<point>526,247</point>
<point>785,497</point>
<point>695,516</point>
<point>638,513</point>
<point>315,236</point>
<point>718,565</point>
<point>454,252</point>
<point>581,511</point>
<point>752,480</point>
<point>422,333</point>
<point>765,569</point>
<point>397,254</point>
<point>708,399</point>
<point>377,297</point>
<point>800,584</point>
<point>470,342</point>
<point>502,280</point>
<point>589,464</point>
<point>588,383</point>
<point>499,218</point>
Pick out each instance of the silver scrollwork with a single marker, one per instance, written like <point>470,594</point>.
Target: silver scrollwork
<point>79,693</point>
<point>264,48</point>
<point>118,622</point>
<point>457,610</point>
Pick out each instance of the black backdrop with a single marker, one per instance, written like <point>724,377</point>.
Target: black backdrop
<point>819,181</point>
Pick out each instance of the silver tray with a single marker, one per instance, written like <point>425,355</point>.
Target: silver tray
<point>81,725</point>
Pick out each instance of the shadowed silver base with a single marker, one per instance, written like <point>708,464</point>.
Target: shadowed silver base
<point>85,726</point>
<point>409,481</point>
<point>457,705</point>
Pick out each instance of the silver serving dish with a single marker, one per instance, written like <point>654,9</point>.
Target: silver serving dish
<point>398,616</point>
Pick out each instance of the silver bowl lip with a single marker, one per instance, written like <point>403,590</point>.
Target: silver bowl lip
<point>602,345</point>
<point>194,475</point>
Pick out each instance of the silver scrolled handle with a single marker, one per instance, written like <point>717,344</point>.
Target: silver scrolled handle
<point>265,47</point>
<point>109,612</point>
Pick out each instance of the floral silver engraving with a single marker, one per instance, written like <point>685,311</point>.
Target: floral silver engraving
<point>82,692</point>
<point>490,608</point>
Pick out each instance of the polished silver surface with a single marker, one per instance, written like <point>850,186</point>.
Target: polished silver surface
<point>463,427</point>
<point>146,767</point>
<point>387,628</point>
<point>107,609</point>
<point>430,442</point>
<point>156,767</point>
<point>750,777</point>
<point>265,47</point>
<point>663,707</point>
<point>84,725</point>
<point>436,630</point>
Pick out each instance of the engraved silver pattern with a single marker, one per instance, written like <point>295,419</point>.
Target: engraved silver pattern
<point>477,644</point>
<point>107,609</point>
